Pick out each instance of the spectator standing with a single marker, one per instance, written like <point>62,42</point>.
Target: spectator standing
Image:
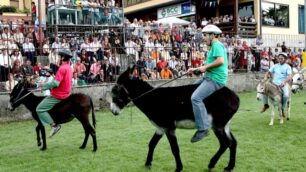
<point>5,59</point>
<point>33,11</point>
<point>46,48</point>
<point>130,48</point>
<point>284,47</point>
<point>29,50</point>
<point>56,45</point>
<point>18,37</point>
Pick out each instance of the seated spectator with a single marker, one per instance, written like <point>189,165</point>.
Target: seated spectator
<point>16,69</point>
<point>150,64</point>
<point>46,76</point>
<point>94,71</point>
<point>85,60</point>
<point>27,68</point>
<point>264,64</point>
<point>16,55</point>
<point>144,77</point>
<point>10,83</point>
<point>141,64</point>
<point>161,64</point>
<point>226,19</point>
<point>154,75</point>
<point>166,73</point>
<point>80,69</point>
<point>75,79</point>
<point>204,22</point>
<point>252,19</point>
<point>38,69</point>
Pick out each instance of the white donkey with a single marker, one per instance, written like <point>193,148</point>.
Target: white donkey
<point>274,94</point>
<point>298,80</point>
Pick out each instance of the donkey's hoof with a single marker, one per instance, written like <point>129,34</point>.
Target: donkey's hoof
<point>210,169</point>
<point>227,170</point>
<point>43,148</point>
<point>148,166</point>
<point>288,119</point>
<point>82,147</point>
<point>38,144</point>
<point>94,149</point>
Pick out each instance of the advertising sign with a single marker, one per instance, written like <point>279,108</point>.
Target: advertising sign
<point>177,10</point>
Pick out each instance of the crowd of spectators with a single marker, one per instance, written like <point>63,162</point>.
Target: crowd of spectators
<point>161,52</point>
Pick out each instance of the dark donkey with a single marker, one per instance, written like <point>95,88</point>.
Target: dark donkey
<point>75,106</point>
<point>222,105</point>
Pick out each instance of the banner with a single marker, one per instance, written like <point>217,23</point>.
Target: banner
<point>304,59</point>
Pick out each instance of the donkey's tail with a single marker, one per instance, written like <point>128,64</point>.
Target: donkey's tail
<point>93,113</point>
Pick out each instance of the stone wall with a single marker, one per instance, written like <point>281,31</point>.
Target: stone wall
<point>101,93</point>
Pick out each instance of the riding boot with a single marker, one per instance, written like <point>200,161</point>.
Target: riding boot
<point>266,106</point>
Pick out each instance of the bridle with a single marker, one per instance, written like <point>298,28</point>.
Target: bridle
<point>145,93</point>
<point>24,96</point>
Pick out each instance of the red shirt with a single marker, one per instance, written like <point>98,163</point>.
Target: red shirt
<point>64,77</point>
<point>34,9</point>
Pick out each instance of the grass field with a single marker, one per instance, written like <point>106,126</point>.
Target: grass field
<point>122,144</point>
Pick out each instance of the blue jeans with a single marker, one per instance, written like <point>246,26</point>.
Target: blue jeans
<point>205,89</point>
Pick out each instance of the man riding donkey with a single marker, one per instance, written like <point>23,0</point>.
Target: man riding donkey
<point>60,89</point>
<point>281,77</point>
<point>216,75</point>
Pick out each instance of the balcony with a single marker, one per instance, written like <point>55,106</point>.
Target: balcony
<point>59,14</point>
<point>244,30</point>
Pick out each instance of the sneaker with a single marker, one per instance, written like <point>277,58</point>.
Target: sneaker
<point>199,135</point>
<point>266,106</point>
<point>54,130</point>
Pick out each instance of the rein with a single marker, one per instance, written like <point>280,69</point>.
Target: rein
<point>24,96</point>
<point>145,93</point>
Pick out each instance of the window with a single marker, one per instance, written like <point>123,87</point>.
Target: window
<point>275,14</point>
<point>246,9</point>
<point>301,19</point>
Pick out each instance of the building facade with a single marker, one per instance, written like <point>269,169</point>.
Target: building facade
<point>19,4</point>
<point>275,19</point>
